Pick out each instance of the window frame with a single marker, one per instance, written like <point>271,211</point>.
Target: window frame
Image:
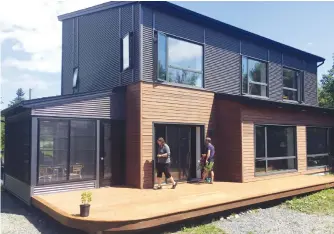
<point>130,49</point>
<point>166,35</point>
<point>328,146</point>
<point>266,158</point>
<point>68,153</point>
<point>254,82</point>
<point>300,85</point>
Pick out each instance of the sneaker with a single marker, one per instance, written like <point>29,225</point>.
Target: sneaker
<point>158,187</point>
<point>174,185</point>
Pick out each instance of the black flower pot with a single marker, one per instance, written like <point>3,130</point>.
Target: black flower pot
<point>84,210</point>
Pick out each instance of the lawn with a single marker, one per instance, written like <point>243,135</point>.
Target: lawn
<point>318,203</point>
<point>202,229</point>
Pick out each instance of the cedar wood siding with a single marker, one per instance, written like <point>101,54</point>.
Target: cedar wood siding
<point>227,140</point>
<point>222,60</point>
<point>257,115</point>
<point>92,42</point>
<point>133,147</point>
<point>163,103</point>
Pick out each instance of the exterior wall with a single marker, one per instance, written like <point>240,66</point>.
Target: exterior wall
<point>256,115</point>
<point>133,136</point>
<point>64,187</point>
<point>167,104</point>
<point>227,140</point>
<point>18,188</point>
<point>222,57</point>
<point>111,106</point>
<point>92,43</point>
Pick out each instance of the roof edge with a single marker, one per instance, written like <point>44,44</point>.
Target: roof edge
<point>92,9</point>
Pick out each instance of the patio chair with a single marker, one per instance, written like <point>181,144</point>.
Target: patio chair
<point>45,173</point>
<point>76,171</point>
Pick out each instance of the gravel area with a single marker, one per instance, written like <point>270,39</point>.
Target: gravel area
<point>18,218</point>
<point>276,220</point>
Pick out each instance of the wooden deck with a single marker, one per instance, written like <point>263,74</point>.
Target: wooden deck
<point>125,209</point>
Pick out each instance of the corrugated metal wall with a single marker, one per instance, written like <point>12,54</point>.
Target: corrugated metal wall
<point>93,43</point>
<point>65,187</point>
<point>222,66</point>
<point>18,188</point>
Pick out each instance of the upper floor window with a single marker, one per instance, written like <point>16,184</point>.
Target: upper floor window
<point>126,52</point>
<point>292,85</point>
<point>179,61</point>
<point>317,146</point>
<point>254,77</point>
<point>75,77</point>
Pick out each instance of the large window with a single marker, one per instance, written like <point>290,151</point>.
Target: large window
<point>317,147</point>
<point>179,61</point>
<point>275,149</point>
<point>254,77</point>
<point>292,85</point>
<point>67,150</point>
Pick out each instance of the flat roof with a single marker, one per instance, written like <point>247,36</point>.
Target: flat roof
<point>197,18</point>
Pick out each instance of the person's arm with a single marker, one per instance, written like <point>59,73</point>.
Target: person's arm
<point>208,155</point>
<point>167,154</point>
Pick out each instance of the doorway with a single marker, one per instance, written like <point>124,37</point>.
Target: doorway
<point>112,149</point>
<point>185,142</point>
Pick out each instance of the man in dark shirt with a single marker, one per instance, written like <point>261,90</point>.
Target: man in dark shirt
<point>210,156</point>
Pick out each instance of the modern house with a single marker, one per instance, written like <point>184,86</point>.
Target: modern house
<point>135,71</point>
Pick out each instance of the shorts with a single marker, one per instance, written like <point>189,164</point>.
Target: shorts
<point>209,166</point>
<point>163,168</point>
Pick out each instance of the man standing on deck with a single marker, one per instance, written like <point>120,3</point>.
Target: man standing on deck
<point>208,169</point>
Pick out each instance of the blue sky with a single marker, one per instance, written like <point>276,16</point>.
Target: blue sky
<point>31,38</point>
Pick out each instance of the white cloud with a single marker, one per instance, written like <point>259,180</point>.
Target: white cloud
<point>35,26</point>
<point>309,43</point>
<point>27,81</point>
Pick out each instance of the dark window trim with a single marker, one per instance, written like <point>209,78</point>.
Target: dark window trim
<point>266,158</point>
<point>68,120</point>
<point>156,47</point>
<point>254,82</point>
<point>131,50</point>
<point>300,85</point>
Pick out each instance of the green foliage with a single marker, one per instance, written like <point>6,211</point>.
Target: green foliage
<point>317,203</point>
<point>202,229</point>
<point>326,91</point>
<point>86,197</point>
<point>19,97</point>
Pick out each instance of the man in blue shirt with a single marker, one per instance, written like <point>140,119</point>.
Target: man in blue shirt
<point>210,156</point>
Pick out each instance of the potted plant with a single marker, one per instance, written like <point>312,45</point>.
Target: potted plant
<point>86,198</point>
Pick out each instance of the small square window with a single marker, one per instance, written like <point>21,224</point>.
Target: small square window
<point>75,77</point>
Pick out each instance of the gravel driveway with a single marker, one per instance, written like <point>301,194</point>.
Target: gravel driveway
<point>277,220</point>
<point>18,218</point>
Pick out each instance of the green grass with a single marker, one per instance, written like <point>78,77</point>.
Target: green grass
<point>203,229</point>
<point>318,203</point>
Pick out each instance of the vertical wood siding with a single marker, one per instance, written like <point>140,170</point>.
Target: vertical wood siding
<point>133,136</point>
<point>253,115</point>
<point>162,103</point>
<point>227,140</point>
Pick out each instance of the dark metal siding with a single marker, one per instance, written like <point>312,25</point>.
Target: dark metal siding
<point>97,52</point>
<point>147,40</point>
<point>310,87</point>
<point>222,63</point>
<point>222,56</point>
<point>67,56</point>
<point>254,51</point>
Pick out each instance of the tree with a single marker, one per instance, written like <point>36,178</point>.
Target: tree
<point>326,91</point>
<point>19,97</point>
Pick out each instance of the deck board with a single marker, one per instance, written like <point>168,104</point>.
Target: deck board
<point>129,209</point>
